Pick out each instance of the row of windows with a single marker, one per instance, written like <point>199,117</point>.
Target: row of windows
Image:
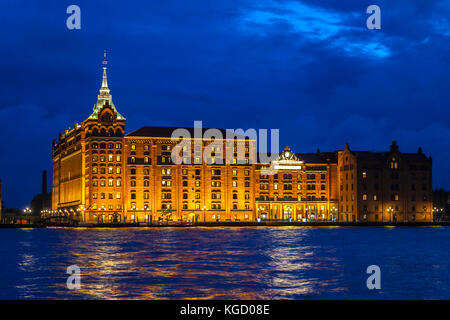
<point>103,170</point>
<point>394,197</point>
<point>103,195</point>
<point>118,158</point>
<point>106,146</point>
<point>103,182</point>
<point>394,208</point>
<point>168,171</point>
<point>103,207</point>
<point>288,176</point>
<point>394,175</point>
<point>289,187</point>
<point>291,198</point>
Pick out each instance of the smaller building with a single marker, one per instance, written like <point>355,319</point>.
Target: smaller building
<point>441,205</point>
<point>297,187</point>
<point>388,186</point>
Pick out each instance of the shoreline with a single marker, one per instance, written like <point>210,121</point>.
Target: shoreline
<point>230,224</point>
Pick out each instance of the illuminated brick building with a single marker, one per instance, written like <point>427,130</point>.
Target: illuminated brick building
<point>101,174</point>
<point>303,187</point>
<point>385,186</point>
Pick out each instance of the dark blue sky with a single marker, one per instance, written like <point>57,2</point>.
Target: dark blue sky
<point>310,68</point>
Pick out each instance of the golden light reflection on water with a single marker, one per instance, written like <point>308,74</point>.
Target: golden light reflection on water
<point>200,263</point>
<point>223,263</point>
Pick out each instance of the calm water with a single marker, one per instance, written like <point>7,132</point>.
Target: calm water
<point>226,263</point>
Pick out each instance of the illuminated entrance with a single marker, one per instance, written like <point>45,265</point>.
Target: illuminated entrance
<point>287,213</point>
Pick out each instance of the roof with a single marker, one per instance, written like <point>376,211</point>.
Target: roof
<point>322,157</point>
<point>380,156</point>
<point>166,132</point>
<point>370,155</point>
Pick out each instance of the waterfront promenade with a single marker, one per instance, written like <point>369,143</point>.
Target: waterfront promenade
<point>228,224</point>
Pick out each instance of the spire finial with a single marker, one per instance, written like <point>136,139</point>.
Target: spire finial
<point>104,90</point>
<point>104,96</point>
<point>105,62</point>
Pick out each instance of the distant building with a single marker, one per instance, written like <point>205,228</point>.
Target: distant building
<point>42,201</point>
<point>101,174</point>
<point>441,205</point>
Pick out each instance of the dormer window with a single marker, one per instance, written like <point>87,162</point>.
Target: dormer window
<point>394,163</point>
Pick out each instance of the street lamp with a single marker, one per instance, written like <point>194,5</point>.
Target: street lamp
<point>334,210</point>
<point>133,215</point>
<point>390,210</point>
<point>204,209</point>
<point>146,215</point>
<point>27,211</point>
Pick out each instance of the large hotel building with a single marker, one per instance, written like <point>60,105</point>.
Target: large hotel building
<point>101,174</point>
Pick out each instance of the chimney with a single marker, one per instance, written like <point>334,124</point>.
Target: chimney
<point>44,182</point>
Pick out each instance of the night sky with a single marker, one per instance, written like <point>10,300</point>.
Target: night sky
<point>310,68</point>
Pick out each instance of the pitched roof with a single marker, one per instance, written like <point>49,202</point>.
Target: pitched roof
<point>166,132</point>
<point>322,157</point>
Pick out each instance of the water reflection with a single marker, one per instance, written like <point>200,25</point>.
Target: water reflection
<point>213,263</point>
<point>220,263</point>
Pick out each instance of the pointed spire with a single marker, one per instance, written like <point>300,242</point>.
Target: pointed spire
<point>104,96</point>
<point>104,90</point>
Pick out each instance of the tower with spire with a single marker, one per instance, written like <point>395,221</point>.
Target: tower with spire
<point>104,97</point>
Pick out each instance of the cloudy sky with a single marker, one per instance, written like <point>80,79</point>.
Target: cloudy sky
<point>310,68</point>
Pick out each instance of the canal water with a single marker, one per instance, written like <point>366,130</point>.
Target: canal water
<point>226,263</point>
